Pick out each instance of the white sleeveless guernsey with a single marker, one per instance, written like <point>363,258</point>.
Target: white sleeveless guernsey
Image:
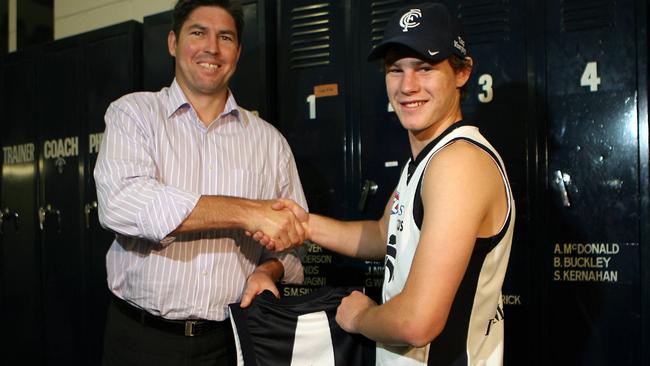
<point>473,334</point>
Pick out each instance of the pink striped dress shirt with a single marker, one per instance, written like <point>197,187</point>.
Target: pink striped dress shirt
<point>155,161</point>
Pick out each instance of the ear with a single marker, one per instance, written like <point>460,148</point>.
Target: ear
<point>462,76</point>
<point>171,43</point>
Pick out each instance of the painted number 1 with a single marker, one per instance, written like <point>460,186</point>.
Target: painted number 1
<point>590,76</point>
<point>311,100</point>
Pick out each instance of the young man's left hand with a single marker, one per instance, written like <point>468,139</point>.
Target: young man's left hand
<point>352,309</point>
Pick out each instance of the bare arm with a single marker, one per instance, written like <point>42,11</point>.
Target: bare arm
<point>463,197</point>
<point>222,212</point>
<point>360,239</point>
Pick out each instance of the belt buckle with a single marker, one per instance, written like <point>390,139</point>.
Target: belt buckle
<point>189,328</point>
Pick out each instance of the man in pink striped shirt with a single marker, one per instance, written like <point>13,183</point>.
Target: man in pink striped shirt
<point>181,176</point>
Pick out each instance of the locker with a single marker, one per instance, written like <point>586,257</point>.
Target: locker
<point>312,106</point>
<point>21,253</point>
<point>315,53</point>
<point>57,247</point>
<point>383,146</point>
<point>108,73</point>
<point>158,65</point>
<point>254,81</point>
<point>593,247</point>
<point>498,99</point>
<point>58,121</point>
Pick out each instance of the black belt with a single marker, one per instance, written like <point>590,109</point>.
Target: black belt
<point>188,328</point>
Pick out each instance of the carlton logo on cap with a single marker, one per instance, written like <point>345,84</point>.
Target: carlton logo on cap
<point>408,20</point>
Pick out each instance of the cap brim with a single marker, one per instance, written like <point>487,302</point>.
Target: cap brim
<point>405,41</point>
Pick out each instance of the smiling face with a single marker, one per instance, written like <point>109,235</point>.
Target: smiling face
<point>425,96</point>
<point>206,51</point>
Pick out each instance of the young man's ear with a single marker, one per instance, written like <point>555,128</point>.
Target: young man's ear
<point>462,76</point>
<point>171,43</point>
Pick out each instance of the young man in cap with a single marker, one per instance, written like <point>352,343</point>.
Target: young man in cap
<point>446,232</point>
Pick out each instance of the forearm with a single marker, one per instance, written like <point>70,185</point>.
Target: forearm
<point>218,212</point>
<point>139,206</point>
<point>272,268</point>
<point>360,239</point>
<point>397,323</point>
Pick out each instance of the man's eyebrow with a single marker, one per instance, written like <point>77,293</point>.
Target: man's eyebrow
<point>197,26</point>
<point>228,31</point>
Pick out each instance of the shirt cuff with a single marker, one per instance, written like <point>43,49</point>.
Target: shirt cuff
<point>165,213</point>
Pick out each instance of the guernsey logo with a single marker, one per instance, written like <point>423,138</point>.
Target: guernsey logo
<point>396,207</point>
<point>409,19</point>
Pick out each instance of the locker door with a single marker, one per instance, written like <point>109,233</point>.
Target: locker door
<point>111,69</point>
<point>158,64</point>
<point>592,249</point>
<point>312,108</point>
<point>313,114</point>
<point>384,147</point>
<point>497,101</point>
<point>254,81</point>
<point>20,252</point>
<point>59,119</point>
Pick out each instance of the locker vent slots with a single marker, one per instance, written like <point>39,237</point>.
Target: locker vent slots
<point>311,36</point>
<point>380,11</point>
<point>485,21</point>
<point>580,15</point>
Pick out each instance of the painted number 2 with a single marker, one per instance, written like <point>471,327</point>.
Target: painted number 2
<point>590,76</point>
<point>485,81</point>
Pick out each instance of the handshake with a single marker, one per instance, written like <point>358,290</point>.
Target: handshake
<point>279,224</point>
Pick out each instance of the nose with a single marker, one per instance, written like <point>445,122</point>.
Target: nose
<point>212,44</point>
<point>410,83</point>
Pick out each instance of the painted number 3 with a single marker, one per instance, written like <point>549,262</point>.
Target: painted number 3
<point>590,76</point>
<point>487,94</point>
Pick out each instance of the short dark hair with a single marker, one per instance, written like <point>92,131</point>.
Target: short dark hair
<point>183,9</point>
<point>458,64</point>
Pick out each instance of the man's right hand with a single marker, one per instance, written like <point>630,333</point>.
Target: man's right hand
<point>278,228</point>
<point>284,207</point>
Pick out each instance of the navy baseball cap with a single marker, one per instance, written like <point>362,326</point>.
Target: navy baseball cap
<point>428,29</point>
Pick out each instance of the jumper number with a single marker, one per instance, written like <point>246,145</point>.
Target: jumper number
<point>590,76</point>
<point>487,94</point>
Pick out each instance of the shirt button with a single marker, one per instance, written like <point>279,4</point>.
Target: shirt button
<point>205,273</point>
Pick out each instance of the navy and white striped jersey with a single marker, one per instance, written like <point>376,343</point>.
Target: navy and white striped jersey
<point>294,331</point>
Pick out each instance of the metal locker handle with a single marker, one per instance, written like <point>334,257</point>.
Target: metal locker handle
<point>562,180</point>
<point>88,208</point>
<point>2,221</point>
<point>369,188</point>
<point>8,214</point>
<point>44,211</point>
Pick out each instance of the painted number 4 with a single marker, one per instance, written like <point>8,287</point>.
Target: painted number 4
<point>590,76</point>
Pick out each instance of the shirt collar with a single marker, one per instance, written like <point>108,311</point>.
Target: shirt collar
<point>177,100</point>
